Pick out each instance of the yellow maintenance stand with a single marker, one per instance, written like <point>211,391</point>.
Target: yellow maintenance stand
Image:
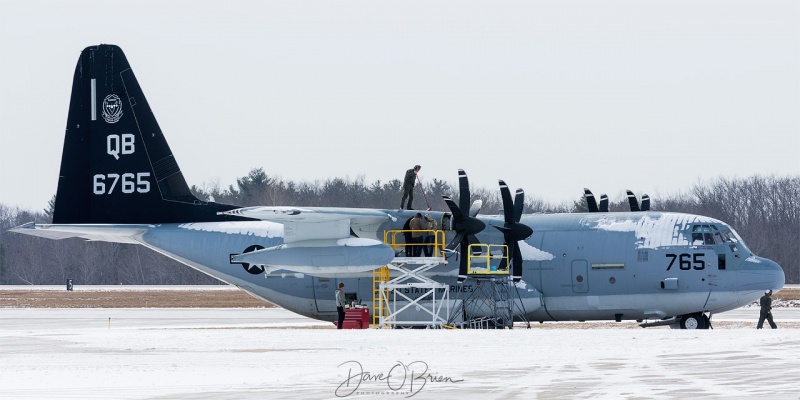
<point>491,305</point>
<point>392,307</point>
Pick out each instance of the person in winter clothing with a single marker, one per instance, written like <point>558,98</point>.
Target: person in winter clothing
<point>766,311</point>
<point>408,186</point>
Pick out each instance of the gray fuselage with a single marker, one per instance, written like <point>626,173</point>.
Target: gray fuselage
<point>593,266</point>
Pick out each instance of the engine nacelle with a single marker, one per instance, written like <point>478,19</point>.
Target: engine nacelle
<point>320,257</point>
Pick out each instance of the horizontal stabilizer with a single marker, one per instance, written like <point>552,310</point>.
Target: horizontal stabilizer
<point>100,233</point>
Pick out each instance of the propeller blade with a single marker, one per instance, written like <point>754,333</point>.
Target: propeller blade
<point>475,208</point>
<point>503,261</point>
<point>456,240</point>
<point>463,190</point>
<point>516,272</point>
<point>590,201</point>
<point>457,214</point>
<point>463,262</point>
<point>508,205</point>
<point>519,204</point>
<point>645,202</point>
<point>471,239</point>
<point>633,201</point>
<point>603,203</point>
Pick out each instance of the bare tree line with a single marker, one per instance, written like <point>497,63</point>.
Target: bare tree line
<point>765,211</point>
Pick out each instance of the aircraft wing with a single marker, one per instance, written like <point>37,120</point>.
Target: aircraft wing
<point>310,223</point>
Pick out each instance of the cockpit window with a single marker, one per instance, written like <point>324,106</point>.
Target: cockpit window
<point>705,234</point>
<point>708,234</point>
<point>730,236</point>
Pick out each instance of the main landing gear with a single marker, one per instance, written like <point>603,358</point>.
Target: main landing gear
<point>695,321</point>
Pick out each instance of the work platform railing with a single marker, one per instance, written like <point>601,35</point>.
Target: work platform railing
<point>405,276</point>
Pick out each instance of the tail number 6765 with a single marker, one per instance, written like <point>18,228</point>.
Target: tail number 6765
<point>128,183</point>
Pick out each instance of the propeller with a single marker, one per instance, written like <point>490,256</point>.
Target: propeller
<point>592,204</point>
<point>513,230</point>
<point>464,223</point>
<point>635,203</point>
<point>603,203</point>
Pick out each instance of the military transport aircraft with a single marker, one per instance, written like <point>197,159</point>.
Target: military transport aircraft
<point>119,182</point>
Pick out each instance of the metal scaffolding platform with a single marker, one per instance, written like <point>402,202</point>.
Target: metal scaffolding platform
<point>492,305</point>
<point>432,301</point>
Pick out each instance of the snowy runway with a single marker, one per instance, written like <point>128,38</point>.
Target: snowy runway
<point>272,353</point>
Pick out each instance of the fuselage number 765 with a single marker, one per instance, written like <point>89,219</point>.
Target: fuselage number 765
<point>687,261</point>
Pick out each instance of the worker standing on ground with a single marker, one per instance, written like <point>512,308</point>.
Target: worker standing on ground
<point>340,304</point>
<point>766,311</point>
<point>408,186</point>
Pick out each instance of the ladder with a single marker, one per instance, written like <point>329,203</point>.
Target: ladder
<point>380,311</point>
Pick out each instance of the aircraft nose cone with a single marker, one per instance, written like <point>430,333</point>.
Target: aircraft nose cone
<point>757,275</point>
<point>778,276</point>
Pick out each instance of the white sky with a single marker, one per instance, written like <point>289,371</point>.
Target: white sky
<point>549,96</point>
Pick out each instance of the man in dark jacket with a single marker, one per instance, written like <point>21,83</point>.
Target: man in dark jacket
<point>418,228</point>
<point>340,305</point>
<point>766,311</point>
<point>408,186</point>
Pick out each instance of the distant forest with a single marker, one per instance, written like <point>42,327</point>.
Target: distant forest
<point>764,210</point>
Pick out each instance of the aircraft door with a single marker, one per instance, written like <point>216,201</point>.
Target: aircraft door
<point>580,276</point>
<point>324,294</point>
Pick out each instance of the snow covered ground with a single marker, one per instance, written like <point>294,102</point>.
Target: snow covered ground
<point>272,353</point>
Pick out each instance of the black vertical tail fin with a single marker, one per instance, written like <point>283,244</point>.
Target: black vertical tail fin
<point>116,166</point>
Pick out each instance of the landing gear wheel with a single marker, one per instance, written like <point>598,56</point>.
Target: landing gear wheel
<point>694,321</point>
